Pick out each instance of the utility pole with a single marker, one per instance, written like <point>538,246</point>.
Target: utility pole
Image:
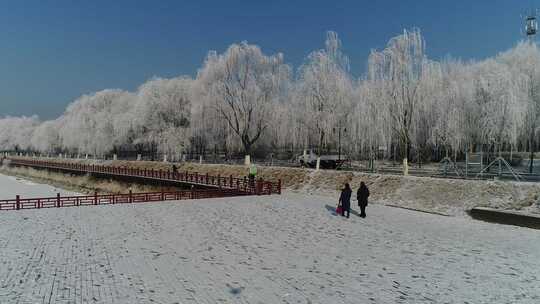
<point>531,29</point>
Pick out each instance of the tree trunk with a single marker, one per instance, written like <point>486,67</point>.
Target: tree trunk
<point>531,158</point>
<point>321,141</point>
<point>247,147</point>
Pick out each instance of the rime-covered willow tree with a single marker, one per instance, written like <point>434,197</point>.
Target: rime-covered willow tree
<point>323,92</point>
<point>46,137</point>
<point>15,132</point>
<point>453,108</point>
<point>162,114</point>
<point>496,93</point>
<point>244,85</point>
<point>523,62</point>
<point>398,72</point>
<point>88,126</point>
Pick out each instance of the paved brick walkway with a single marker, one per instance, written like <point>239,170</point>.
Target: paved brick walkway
<point>279,249</point>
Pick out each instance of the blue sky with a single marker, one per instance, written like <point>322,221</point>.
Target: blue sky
<point>51,52</point>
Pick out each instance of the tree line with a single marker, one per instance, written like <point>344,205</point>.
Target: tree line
<point>243,101</point>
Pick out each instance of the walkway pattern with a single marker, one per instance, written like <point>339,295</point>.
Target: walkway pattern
<point>261,249</point>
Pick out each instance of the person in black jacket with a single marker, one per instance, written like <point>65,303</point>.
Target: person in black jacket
<point>362,196</point>
<point>345,200</point>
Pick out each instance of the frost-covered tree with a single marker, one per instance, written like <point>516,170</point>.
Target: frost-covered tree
<point>46,137</point>
<point>399,70</point>
<point>243,85</point>
<point>324,92</point>
<point>368,130</point>
<point>498,105</point>
<point>162,114</point>
<point>16,132</point>
<point>88,125</point>
<point>524,64</point>
<point>454,118</point>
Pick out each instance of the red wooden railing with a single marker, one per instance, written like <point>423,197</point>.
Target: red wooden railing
<point>259,187</point>
<point>110,199</point>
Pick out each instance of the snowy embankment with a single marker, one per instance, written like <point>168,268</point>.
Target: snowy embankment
<point>81,183</point>
<point>274,249</point>
<point>447,196</point>
<point>12,186</point>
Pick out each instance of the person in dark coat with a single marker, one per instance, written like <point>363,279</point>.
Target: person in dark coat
<point>345,200</point>
<point>362,196</point>
<point>174,171</point>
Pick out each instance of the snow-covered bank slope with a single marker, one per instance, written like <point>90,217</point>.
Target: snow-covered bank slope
<point>448,196</point>
<point>80,183</point>
<point>278,249</point>
<point>11,186</point>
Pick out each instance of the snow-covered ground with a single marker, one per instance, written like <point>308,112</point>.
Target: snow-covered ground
<point>279,249</point>
<point>11,186</point>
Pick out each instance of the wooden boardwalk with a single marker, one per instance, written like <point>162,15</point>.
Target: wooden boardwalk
<point>259,187</point>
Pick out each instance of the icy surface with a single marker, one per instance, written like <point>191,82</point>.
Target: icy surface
<point>11,186</point>
<point>288,249</point>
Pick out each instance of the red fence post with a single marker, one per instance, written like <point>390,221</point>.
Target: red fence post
<point>230,181</point>
<point>259,186</point>
<point>130,196</point>
<point>18,202</point>
<point>57,200</point>
<point>279,186</point>
<point>95,197</point>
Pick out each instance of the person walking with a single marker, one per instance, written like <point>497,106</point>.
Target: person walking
<point>174,171</point>
<point>253,171</point>
<point>252,175</point>
<point>362,196</point>
<point>345,200</point>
